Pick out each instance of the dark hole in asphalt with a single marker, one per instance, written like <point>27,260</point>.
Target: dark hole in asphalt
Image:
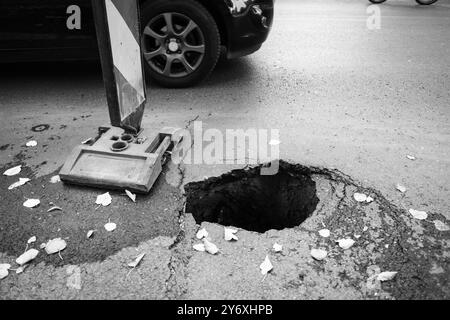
<point>248,200</point>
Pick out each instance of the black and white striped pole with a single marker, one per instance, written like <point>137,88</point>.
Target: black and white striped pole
<point>118,35</point>
<point>123,156</point>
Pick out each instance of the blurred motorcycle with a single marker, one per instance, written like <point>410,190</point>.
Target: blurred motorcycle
<point>422,2</point>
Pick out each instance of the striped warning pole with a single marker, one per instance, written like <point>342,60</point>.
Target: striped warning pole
<point>118,35</point>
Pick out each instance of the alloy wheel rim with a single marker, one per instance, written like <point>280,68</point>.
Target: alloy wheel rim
<point>173,45</point>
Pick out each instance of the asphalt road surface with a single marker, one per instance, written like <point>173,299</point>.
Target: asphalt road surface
<point>343,96</point>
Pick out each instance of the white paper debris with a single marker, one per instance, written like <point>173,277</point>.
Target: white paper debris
<point>357,236</point>
<point>13,171</point>
<point>4,267</point>
<point>210,247</point>
<point>31,240</point>
<point>55,179</point>
<point>266,266</point>
<point>20,269</point>
<point>19,183</point>
<point>104,199</point>
<point>55,208</point>
<point>202,234</point>
<point>199,247</point>
<point>365,228</point>
<point>274,142</point>
<point>324,233</point>
<point>360,197</point>
<point>229,234</point>
<point>110,226</point>
<point>400,188</point>
<point>410,157</point>
<point>136,261</point>
<point>55,245</point>
<point>369,199</point>
<point>420,215</point>
<point>130,195</point>
<point>441,226</point>
<point>318,254</point>
<point>87,141</point>
<point>31,143</point>
<point>27,257</point>
<point>90,233</point>
<point>31,203</point>
<point>277,247</point>
<point>346,243</point>
<point>386,275</point>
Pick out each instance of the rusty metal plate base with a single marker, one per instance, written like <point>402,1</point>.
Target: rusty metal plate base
<point>118,160</point>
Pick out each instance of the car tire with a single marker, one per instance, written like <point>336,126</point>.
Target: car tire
<point>169,53</point>
<point>377,1</point>
<point>425,2</point>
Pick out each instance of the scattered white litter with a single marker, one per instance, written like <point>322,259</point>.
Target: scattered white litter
<point>202,234</point>
<point>31,203</point>
<point>110,226</point>
<point>441,226</point>
<point>229,234</point>
<point>277,247</point>
<point>210,247</point>
<point>324,233</point>
<point>318,254</point>
<point>386,246</point>
<point>266,266</point>
<point>4,267</point>
<point>400,188</point>
<point>31,240</point>
<point>346,243</point>
<point>55,179</point>
<point>104,199</point>
<point>386,275</point>
<point>130,195</point>
<point>357,236</point>
<point>365,228</point>
<point>21,269</point>
<point>136,261</point>
<point>199,247</point>
<point>410,157</point>
<point>31,143</point>
<point>19,183</point>
<point>420,215</point>
<point>27,257</point>
<point>360,197</point>
<point>42,245</point>
<point>274,142</point>
<point>54,208</point>
<point>87,141</point>
<point>13,171</point>
<point>55,245</point>
<point>369,199</point>
<point>90,233</point>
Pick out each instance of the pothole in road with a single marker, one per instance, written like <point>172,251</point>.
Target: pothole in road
<point>255,202</point>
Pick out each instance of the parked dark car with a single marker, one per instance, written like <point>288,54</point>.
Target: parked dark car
<point>181,39</point>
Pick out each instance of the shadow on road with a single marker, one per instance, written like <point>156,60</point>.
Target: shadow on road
<point>226,72</point>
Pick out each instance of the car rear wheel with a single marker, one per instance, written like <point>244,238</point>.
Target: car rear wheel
<point>180,42</point>
<point>425,2</point>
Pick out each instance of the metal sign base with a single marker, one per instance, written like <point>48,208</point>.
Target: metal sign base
<point>119,160</point>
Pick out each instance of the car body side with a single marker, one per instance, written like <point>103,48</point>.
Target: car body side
<point>33,30</point>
